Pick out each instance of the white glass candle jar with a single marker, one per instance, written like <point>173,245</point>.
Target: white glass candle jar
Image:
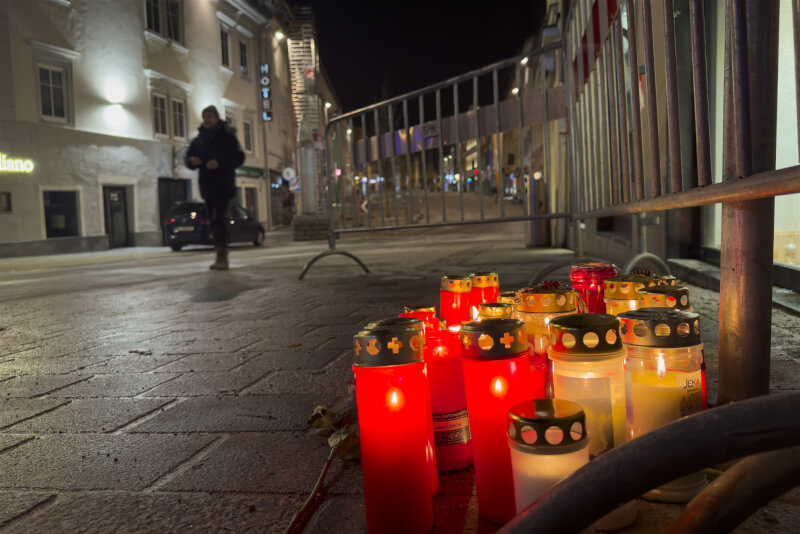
<point>548,442</point>
<point>588,368</point>
<point>663,380</point>
<point>622,292</point>
<point>665,296</point>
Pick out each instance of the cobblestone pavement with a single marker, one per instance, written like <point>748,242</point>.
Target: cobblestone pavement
<point>141,392</point>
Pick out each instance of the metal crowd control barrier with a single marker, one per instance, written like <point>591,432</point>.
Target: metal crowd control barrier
<point>416,161</point>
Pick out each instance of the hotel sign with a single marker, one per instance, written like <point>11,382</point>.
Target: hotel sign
<point>266,100</point>
<point>15,165</point>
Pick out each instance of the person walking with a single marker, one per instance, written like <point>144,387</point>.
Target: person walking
<point>217,153</point>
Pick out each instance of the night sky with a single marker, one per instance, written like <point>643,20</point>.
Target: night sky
<point>411,44</point>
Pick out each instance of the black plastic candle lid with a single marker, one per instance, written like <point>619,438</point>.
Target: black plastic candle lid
<point>413,322</point>
<point>456,283</point>
<point>493,338</point>
<point>552,426</point>
<point>384,345</point>
<point>660,327</point>
<point>585,334</point>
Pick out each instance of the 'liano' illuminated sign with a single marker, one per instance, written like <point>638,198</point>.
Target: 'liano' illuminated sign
<point>15,165</point>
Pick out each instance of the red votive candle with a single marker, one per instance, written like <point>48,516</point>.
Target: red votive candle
<point>497,375</point>
<point>426,314</point>
<point>587,281</point>
<point>455,300</point>
<point>393,416</point>
<point>418,325</point>
<point>448,401</point>
<point>485,288</point>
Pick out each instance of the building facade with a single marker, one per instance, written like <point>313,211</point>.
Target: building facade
<point>103,99</point>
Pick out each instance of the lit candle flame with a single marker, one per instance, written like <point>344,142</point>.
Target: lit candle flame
<point>662,368</point>
<point>499,386</point>
<point>394,400</point>
<point>476,315</point>
<point>454,328</point>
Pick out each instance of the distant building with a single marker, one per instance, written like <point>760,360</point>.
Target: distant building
<point>99,100</point>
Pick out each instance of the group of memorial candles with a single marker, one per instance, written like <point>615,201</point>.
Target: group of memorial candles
<point>525,386</point>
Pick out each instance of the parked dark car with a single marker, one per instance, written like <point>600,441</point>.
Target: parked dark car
<point>187,224</point>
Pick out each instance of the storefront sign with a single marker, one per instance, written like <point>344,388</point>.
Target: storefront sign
<point>266,100</point>
<point>15,165</point>
<point>249,172</point>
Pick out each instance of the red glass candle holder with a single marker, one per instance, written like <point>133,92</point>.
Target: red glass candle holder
<point>448,401</point>
<point>426,314</point>
<point>587,281</point>
<point>455,300</point>
<point>418,325</point>
<point>393,401</point>
<point>497,375</point>
<point>485,288</point>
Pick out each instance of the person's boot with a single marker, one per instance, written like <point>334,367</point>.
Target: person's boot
<point>222,260</point>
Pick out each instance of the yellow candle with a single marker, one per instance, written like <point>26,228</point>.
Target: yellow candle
<point>659,397</point>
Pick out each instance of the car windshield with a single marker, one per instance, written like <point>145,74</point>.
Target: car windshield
<point>187,209</point>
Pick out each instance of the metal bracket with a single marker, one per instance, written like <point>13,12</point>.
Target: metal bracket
<point>321,255</point>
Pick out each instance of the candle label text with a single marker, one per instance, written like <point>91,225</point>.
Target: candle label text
<point>451,428</point>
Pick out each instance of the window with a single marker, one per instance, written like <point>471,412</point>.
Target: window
<point>5,202</point>
<point>243,57</point>
<point>61,213</point>
<point>160,115</point>
<point>153,15</point>
<point>247,127</point>
<point>223,39</point>
<point>178,119</point>
<point>52,92</point>
<point>230,117</point>
<point>174,20</point>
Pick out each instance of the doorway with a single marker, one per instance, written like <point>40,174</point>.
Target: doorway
<point>116,213</point>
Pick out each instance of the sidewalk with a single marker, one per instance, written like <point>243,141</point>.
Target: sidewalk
<point>179,403</point>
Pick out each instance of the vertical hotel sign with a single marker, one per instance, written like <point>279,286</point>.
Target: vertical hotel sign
<point>15,165</point>
<point>266,99</point>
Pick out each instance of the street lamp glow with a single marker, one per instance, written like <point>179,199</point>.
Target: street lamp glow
<point>515,91</point>
<point>524,61</point>
<point>279,35</point>
<point>349,131</point>
<point>328,105</point>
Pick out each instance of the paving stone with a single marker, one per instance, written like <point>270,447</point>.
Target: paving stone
<point>257,462</point>
<point>217,345</point>
<point>163,512</point>
<point>134,362</point>
<point>19,364</point>
<point>324,384</point>
<point>89,415</point>
<point>95,461</point>
<point>115,385</point>
<point>292,339</point>
<point>299,357</point>
<point>214,361</point>
<point>15,504</point>
<point>9,441</point>
<point>15,410</point>
<point>339,515</point>
<point>199,384</point>
<point>28,387</point>
<point>248,413</point>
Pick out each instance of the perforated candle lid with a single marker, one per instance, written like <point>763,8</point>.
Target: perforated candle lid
<point>385,345</point>
<point>508,297</point>
<point>455,283</point>
<point>660,327</point>
<point>495,310</point>
<point>627,286</point>
<point>547,426</point>
<point>546,298</point>
<point>493,338</point>
<point>669,280</point>
<point>485,280</point>
<point>663,296</point>
<point>422,309</point>
<point>575,337</point>
<point>412,322</point>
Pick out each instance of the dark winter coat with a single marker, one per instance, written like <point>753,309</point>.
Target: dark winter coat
<point>219,143</point>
